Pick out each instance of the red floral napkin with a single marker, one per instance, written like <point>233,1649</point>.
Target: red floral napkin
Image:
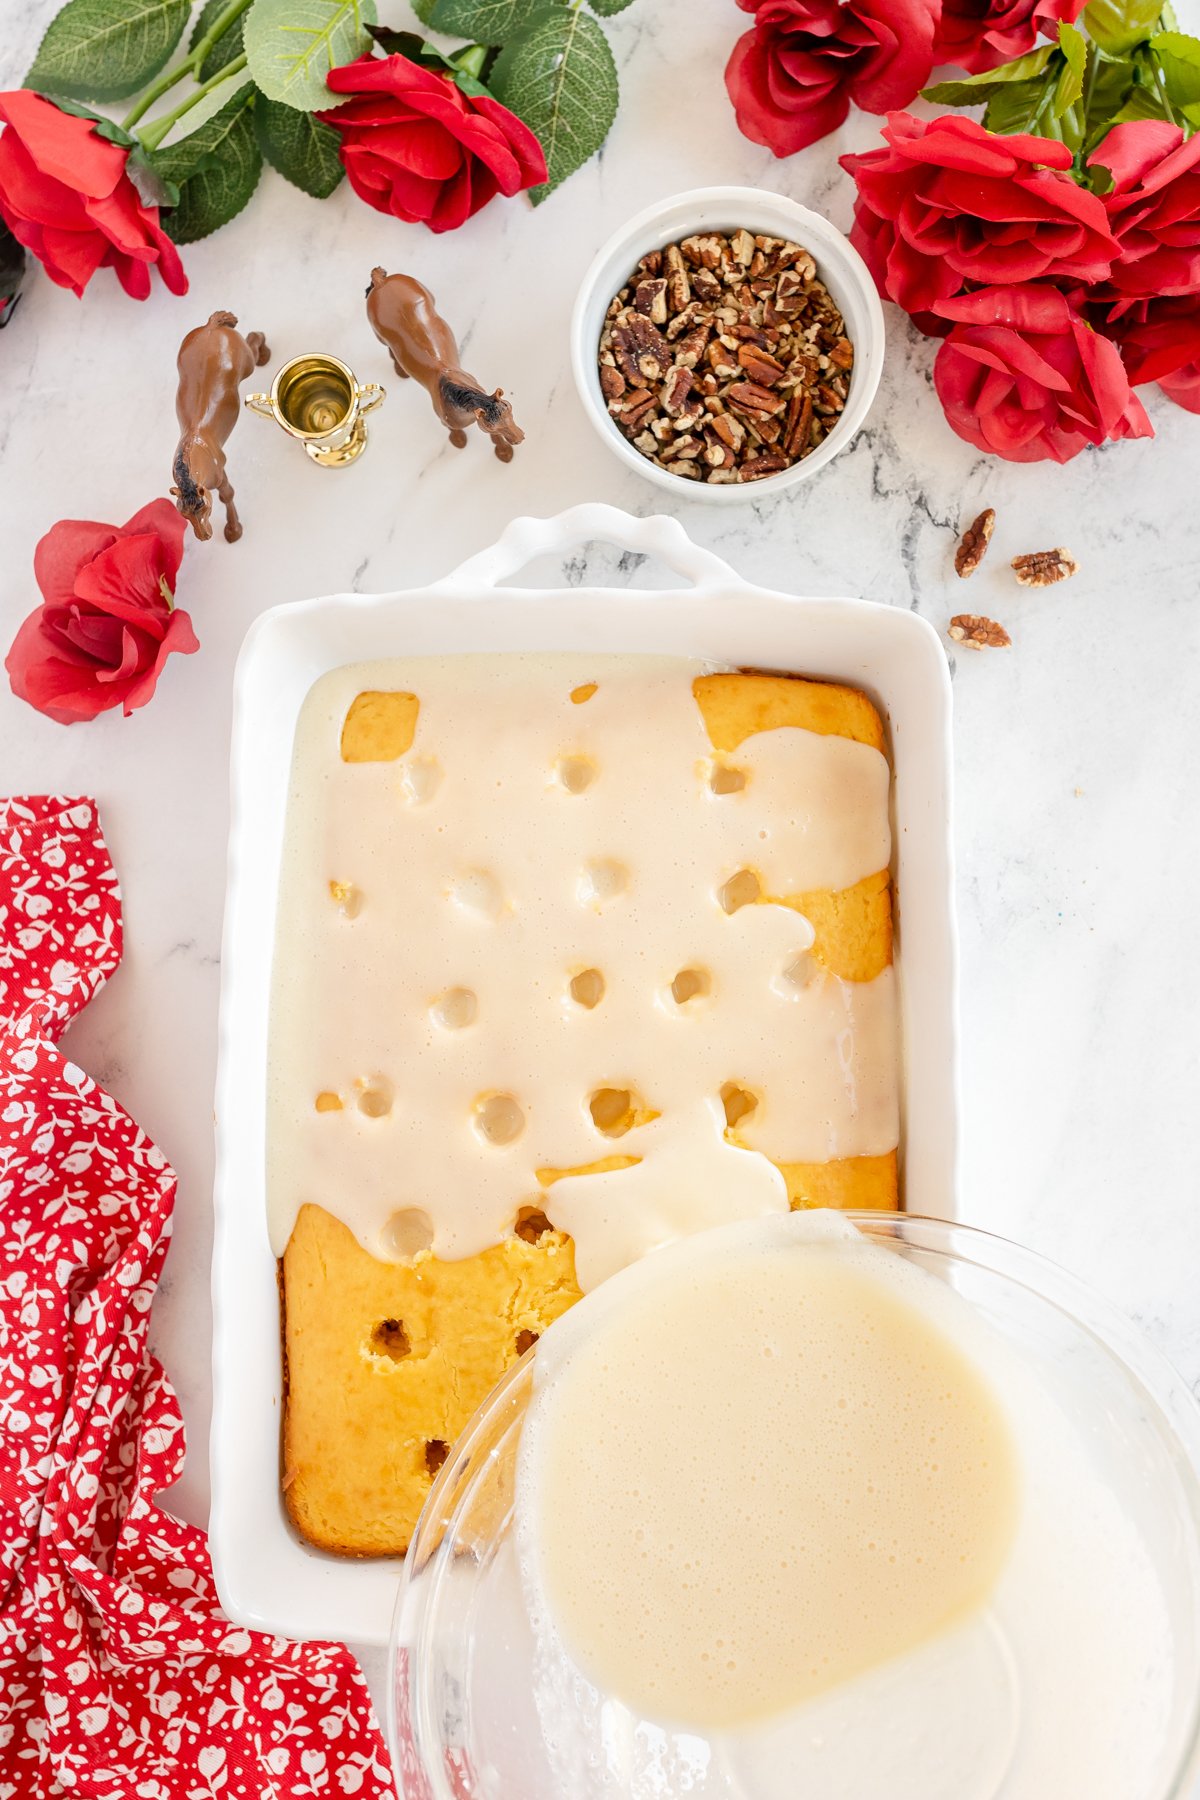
<point>119,1677</point>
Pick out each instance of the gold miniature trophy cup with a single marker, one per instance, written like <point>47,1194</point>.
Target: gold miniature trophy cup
<point>318,400</point>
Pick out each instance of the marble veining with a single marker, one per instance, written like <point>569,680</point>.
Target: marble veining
<point>1077,757</point>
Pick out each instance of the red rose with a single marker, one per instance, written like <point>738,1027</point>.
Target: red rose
<point>981,34</point>
<point>1154,207</point>
<point>65,195</point>
<point>1159,340</point>
<point>793,77</point>
<point>107,622</point>
<point>414,145</point>
<point>1024,377</point>
<point>950,203</point>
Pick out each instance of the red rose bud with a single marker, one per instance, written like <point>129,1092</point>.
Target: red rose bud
<point>792,78</point>
<point>65,195</point>
<point>107,622</point>
<point>1153,208</point>
<point>981,34</point>
<point>948,203</point>
<point>414,145</point>
<point>1022,376</point>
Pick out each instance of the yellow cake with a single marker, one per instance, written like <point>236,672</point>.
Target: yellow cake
<point>385,1361</point>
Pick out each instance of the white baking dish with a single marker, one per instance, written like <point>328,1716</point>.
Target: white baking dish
<point>265,1575</point>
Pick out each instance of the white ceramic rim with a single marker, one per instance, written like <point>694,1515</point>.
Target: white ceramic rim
<point>724,209</point>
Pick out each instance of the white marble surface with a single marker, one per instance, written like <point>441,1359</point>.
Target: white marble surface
<point>1077,759</point>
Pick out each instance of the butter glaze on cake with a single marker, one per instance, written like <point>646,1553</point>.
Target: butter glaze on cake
<point>440,1059</point>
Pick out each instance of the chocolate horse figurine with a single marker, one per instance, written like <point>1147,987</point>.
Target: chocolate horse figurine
<point>213,359</point>
<point>404,318</point>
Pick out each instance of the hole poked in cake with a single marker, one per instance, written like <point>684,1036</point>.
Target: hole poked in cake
<point>455,1009</point>
<point>407,1233</point>
<point>375,1096</point>
<point>499,1119</point>
<point>723,778</point>
<point>790,981</point>
<point>614,1110</point>
<point>532,1225</point>
<point>477,894</point>
<point>738,1102</point>
<point>390,1339</point>
<point>742,889</point>
<point>526,1340</point>
<point>328,1102</point>
<point>691,984</point>
<point>583,692</point>
<point>587,988</point>
<point>436,1452</point>
<point>420,779</point>
<point>347,898</point>
<point>601,881</point>
<point>575,774</point>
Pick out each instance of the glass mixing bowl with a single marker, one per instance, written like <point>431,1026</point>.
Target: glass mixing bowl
<point>463,1718</point>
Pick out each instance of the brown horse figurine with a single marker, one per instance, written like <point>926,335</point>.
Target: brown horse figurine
<point>213,360</point>
<point>404,318</point>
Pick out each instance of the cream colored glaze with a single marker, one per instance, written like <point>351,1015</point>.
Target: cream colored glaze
<point>523,840</point>
<point>747,1484</point>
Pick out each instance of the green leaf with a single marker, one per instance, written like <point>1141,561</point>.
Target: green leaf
<point>291,45</point>
<point>972,90</point>
<point>1068,89</point>
<point>1117,25</point>
<point>303,149</point>
<point>216,169</point>
<point>1019,107</point>
<point>423,9</point>
<point>484,21</point>
<point>234,87</point>
<point>606,8</point>
<point>1178,56</point>
<point>1108,88</point>
<point>404,43</point>
<point>1142,103</point>
<point>106,49</point>
<point>558,74</point>
<point>227,46</point>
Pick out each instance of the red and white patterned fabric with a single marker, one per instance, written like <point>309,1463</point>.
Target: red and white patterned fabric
<point>119,1677</point>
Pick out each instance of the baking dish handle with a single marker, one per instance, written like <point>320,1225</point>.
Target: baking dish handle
<point>656,536</point>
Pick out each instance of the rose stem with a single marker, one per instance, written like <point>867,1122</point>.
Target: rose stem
<point>191,62</point>
<point>154,134</point>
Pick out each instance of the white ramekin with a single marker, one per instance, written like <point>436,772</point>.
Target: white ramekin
<point>839,265</point>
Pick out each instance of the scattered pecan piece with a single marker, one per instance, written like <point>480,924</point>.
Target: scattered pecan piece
<point>640,349</point>
<point>612,383</point>
<point>760,365</point>
<point>690,348</point>
<point>650,297</point>
<point>1042,568</point>
<point>797,424</point>
<point>767,462</point>
<point>978,633</point>
<point>973,546</point>
<point>675,391</point>
<point>679,291</point>
<point>748,397</point>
